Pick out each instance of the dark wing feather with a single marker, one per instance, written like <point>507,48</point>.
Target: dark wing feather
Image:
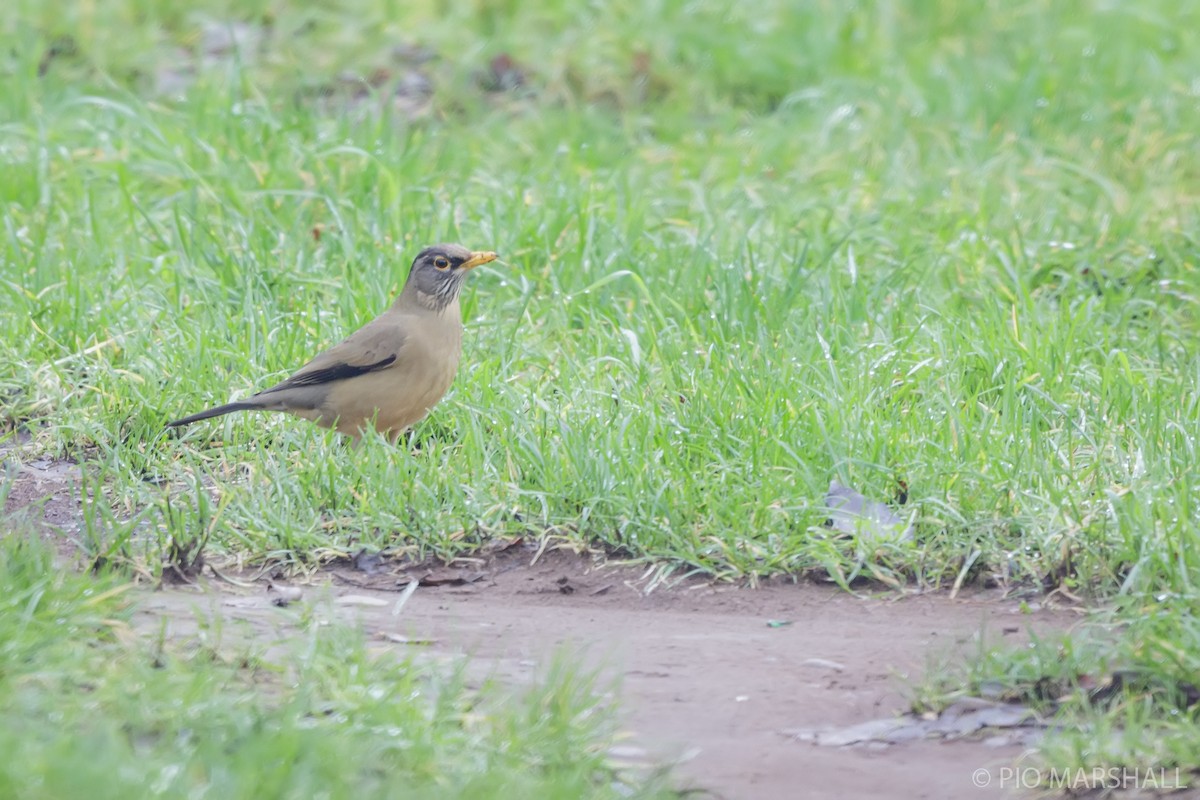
<point>338,371</point>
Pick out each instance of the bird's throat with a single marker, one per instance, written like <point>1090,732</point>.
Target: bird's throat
<point>436,302</point>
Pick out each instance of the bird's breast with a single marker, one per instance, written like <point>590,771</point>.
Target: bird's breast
<point>417,382</point>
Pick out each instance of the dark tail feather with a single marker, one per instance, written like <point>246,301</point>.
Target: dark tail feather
<point>228,408</point>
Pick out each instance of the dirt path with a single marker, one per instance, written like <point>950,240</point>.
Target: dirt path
<point>701,676</point>
<point>711,676</point>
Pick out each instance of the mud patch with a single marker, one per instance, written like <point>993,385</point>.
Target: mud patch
<point>43,495</point>
<point>716,679</point>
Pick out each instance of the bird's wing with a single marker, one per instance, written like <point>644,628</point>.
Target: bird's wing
<point>374,347</point>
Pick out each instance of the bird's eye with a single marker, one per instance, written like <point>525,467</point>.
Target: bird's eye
<point>441,262</point>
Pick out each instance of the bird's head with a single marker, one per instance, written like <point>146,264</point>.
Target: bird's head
<point>438,271</point>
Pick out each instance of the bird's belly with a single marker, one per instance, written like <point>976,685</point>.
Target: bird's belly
<point>389,400</point>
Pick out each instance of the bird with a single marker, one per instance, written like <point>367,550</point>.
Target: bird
<point>389,373</point>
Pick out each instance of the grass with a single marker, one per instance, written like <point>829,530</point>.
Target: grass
<point>107,711</point>
<point>749,248</point>
<point>1120,692</point>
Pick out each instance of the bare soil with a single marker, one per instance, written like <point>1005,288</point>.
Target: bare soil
<point>714,678</point>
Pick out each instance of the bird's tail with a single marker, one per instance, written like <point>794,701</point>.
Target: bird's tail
<point>218,411</point>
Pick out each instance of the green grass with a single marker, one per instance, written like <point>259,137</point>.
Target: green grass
<point>1120,692</point>
<point>94,709</point>
<point>749,247</point>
